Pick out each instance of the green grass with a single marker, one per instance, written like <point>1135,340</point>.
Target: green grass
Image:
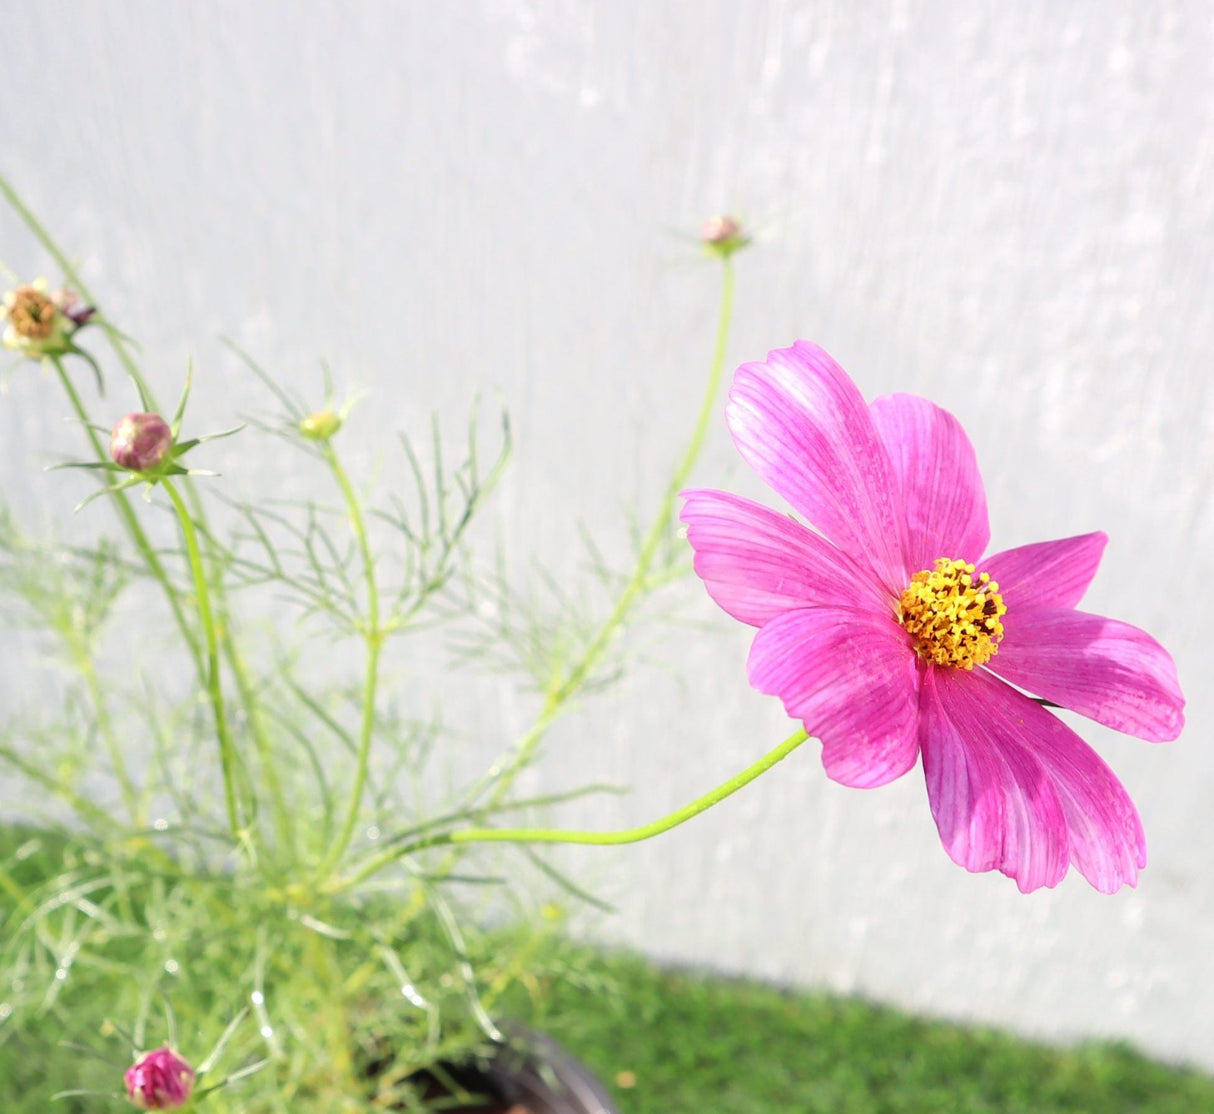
<point>690,1044</point>
<point>704,1045</point>
<point>669,1042</point>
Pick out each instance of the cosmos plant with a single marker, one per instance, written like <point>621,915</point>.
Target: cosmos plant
<point>882,624</point>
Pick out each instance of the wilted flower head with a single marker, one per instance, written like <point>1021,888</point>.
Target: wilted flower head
<point>141,442</point>
<point>159,1080</point>
<point>890,636</point>
<point>40,323</point>
<point>722,235</point>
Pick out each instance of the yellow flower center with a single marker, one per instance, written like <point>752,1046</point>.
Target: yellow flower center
<point>953,615</point>
<point>32,313</point>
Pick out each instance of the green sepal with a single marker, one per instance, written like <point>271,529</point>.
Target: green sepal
<point>175,424</point>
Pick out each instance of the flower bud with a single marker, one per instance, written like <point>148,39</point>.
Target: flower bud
<point>321,425</point>
<point>69,304</point>
<point>141,442</point>
<point>159,1080</point>
<point>722,235</point>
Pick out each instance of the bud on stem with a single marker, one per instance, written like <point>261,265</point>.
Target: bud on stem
<point>141,442</point>
<point>159,1080</point>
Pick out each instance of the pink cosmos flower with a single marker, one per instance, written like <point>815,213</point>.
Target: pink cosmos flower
<point>890,635</point>
<point>159,1080</point>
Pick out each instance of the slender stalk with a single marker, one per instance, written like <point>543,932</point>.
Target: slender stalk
<point>639,581</point>
<point>599,839</point>
<point>105,725</point>
<point>227,753</point>
<point>373,635</point>
<point>131,521</point>
<point>121,349</point>
<point>116,339</point>
<point>283,824</point>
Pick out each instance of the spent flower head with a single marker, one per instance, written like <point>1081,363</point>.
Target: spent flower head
<point>891,636</point>
<point>159,1080</point>
<point>41,323</point>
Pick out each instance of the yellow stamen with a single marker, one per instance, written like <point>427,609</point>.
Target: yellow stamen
<point>32,313</point>
<point>953,615</point>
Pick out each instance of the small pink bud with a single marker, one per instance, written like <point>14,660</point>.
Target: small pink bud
<point>69,304</point>
<point>159,1080</point>
<point>722,235</point>
<point>141,442</point>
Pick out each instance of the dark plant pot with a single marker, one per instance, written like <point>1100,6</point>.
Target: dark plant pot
<point>528,1074</point>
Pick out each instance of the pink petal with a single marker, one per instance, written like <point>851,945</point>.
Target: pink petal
<point>850,677</point>
<point>1104,837</point>
<point>757,563</point>
<point>938,472</point>
<point>800,422</point>
<point>1109,671</point>
<point>1047,574</point>
<point>992,797</point>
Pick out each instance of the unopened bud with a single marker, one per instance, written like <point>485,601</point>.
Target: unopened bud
<point>69,304</point>
<point>722,235</point>
<point>321,425</point>
<point>141,442</point>
<point>159,1080</point>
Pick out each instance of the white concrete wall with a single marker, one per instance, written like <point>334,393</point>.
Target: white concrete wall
<point>1009,208</point>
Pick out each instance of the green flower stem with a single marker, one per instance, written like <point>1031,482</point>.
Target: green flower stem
<point>373,635</point>
<point>283,824</point>
<point>640,579</point>
<point>116,339</point>
<point>599,839</point>
<point>84,663</point>
<point>227,753</point>
<point>129,519</point>
<point>118,342</point>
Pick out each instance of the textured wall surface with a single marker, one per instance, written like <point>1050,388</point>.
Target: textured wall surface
<point>1009,208</point>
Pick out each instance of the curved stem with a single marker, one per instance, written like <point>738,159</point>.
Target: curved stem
<point>639,580</point>
<point>600,839</point>
<point>374,636</point>
<point>227,754</point>
<point>119,344</point>
<point>131,522</point>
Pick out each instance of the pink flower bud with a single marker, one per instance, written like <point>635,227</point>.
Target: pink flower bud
<point>141,442</point>
<point>159,1080</point>
<point>722,235</point>
<point>69,304</point>
<point>718,228</point>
